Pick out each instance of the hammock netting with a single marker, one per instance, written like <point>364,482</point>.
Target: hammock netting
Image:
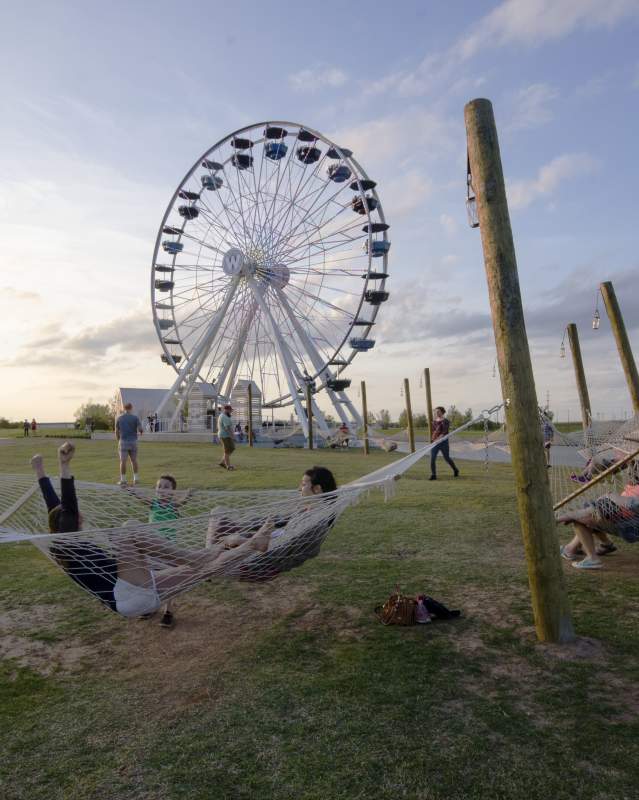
<point>599,469</point>
<point>133,565</point>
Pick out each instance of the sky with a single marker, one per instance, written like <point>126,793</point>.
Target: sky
<point>106,106</point>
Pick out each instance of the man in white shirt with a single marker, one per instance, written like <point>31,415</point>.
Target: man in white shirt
<point>225,430</point>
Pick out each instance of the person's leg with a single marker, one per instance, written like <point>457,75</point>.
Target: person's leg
<point>133,455</point>
<point>587,541</point>
<point>168,617</point>
<point>433,460</point>
<point>445,450</point>
<point>123,460</point>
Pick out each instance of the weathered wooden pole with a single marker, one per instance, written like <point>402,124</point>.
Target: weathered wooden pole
<point>580,375</point>
<point>409,415</point>
<point>548,593</point>
<point>249,391</point>
<point>623,343</point>
<point>365,417</point>
<point>429,403</point>
<point>309,415</point>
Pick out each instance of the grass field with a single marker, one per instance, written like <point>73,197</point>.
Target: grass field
<point>293,689</point>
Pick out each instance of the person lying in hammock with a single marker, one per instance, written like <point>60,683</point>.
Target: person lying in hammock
<point>615,514</point>
<point>290,552</point>
<point>596,465</point>
<point>123,577</point>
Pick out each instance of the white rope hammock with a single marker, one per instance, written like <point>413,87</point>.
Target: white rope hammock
<point>133,565</point>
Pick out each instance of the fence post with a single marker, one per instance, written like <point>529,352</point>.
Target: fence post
<point>580,375</point>
<point>623,343</point>
<point>409,413</point>
<point>548,593</point>
<point>365,417</point>
<point>429,403</point>
<point>309,415</point>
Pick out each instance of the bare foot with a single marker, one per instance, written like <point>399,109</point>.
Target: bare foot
<point>66,452</point>
<point>262,538</point>
<point>37,464</point>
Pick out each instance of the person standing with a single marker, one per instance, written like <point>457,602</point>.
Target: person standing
<point>127,429</point>
<point>34,426</point>
<point>25,427</point>
<point>441,426</point>
<point>225,426</point>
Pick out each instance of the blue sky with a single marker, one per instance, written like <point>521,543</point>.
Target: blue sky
<point>107,106</point>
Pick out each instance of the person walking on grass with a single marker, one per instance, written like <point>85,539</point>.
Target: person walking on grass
<point>26,427</point>
<point>441,426</point>
<point>127,429</point>
<point>225,426</point>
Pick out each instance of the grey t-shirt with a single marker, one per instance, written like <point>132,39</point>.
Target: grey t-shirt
<point>128,425</point>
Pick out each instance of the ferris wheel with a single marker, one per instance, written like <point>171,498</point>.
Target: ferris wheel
<point>270,265</point>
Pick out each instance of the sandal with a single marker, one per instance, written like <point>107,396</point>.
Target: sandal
<point>588,563</point>
<point>606,549</point>
<point>563,550</point>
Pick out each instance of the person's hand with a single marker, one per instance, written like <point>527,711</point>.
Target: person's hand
<point>66,452</point>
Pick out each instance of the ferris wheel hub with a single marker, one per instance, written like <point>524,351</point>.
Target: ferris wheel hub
<point>235,264</point>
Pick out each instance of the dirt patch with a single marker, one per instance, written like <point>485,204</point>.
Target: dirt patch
<point>582,649</point>
<point>45,658</point>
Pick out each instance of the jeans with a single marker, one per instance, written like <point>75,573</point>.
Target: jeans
<point>442,448</point>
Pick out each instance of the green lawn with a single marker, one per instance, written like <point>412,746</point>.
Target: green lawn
<point>293,689</point>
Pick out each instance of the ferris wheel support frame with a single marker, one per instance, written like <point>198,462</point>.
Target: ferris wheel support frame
<point>318,363</point>
<point>229,370</point>
<point>194,364</point>
<point>288,365</point>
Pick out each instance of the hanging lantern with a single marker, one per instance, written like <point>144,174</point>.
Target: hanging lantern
<point>471,200</point>
<point>596,319</point>
<point>562,351</point>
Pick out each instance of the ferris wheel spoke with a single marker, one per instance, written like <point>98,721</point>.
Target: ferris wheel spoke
<point>209,216</point>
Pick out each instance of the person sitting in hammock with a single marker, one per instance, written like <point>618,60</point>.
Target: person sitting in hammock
<point>123,578</point>
<point>615,514</point>
<point>291,551</point>
<point>164,507</point>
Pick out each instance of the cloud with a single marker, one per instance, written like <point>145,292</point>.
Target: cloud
<point>448,223</point>
<point>532,106</point>
<point>514,22</point>
<point>533,22</point>
<point>132,335</point>
<point>10,294</point>
<point>322,77</point>
<point>571,165</point>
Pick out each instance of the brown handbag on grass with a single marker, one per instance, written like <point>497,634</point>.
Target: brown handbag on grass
<point>397,610</point>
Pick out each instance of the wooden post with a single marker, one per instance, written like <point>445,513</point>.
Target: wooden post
<point>309,415</point>
<point>623,343</point>
<point>365,418</point>
<point>249,391</point>
<point>580,375</point>
<point>548,593</point>
<point>409,414</point>
<point>429,404</point>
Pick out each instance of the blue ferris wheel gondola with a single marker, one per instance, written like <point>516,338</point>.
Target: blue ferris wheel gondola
<point>275,150</point>
<point>361,345</point>
<point>339,173</point>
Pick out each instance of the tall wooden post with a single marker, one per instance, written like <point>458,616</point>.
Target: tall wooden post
<point>365,418</point>
<point>429,403</point>
<point>409,414</point>
<point>249,391</point>
<point>309,415</point>
<point>580,375</point>
<point>548,593</point>
<point>623,343</point>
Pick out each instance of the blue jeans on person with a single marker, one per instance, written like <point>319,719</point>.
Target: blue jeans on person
<point>443,448</point>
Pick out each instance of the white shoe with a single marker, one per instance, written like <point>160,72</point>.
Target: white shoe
<point>121,483</point>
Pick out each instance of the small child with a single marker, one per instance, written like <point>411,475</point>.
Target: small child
<point>164,507</point>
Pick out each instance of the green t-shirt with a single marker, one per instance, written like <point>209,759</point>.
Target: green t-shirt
<point>162,512</point>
